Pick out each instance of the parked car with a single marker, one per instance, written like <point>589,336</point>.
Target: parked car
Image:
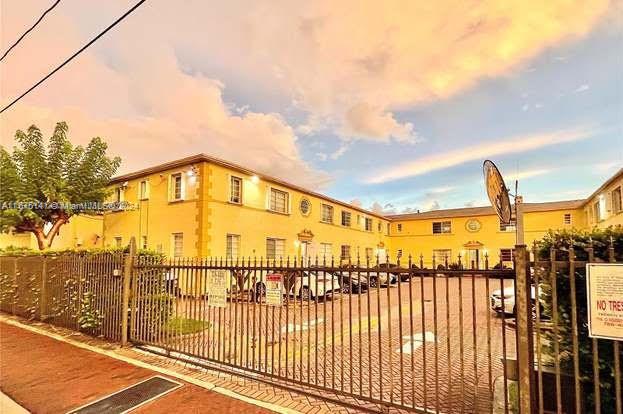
<point>376,278</point>
<point>509,307</point>
<point>396,270</point>
<point>352,282</point>
<point>307,285</point>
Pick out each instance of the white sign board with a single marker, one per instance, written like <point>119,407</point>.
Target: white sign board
<point>217,288</point>
<point>604,287</point>
<point>274,283</point>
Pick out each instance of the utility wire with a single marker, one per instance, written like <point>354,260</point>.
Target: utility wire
<point>69,59</point>
<point>29,30</point>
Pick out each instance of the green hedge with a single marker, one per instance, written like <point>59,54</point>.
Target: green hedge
<point>562,241</point>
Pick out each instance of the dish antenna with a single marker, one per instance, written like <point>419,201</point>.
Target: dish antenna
<point>499,198</point>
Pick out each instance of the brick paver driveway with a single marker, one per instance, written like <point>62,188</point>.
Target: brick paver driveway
<point>430,342</point>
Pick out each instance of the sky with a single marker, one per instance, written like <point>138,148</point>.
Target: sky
<point>390,105</point>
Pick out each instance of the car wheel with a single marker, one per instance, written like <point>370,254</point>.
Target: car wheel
<point>305,293</point>
<point>260,291</point>
<point>373,282</point>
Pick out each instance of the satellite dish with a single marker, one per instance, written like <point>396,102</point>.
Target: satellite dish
<point>497,191</point>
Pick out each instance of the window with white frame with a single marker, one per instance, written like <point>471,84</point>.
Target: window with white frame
<point>441,256</point>
<point>506,255</point>
<point>176,187</point>
<point>278,201</point>
<point>566,219</point>
<point>232,246</point>
<point>118,241</point>
<point>345,252</point>
<point>119,194</point>
<point>442,227</point>
<point>368,224</point>
<point>596,211</point>
<point>275,248</point>
<point>346,218</point>
<point>178,244</point>
<point>235,190</point>
<point>510,226</point>
<point>326,213</point>
<point>143,190</point>
<point>617,201</point>
<point>326,250</point>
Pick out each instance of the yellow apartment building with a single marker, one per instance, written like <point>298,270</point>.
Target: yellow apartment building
<point>203,206</point>
<point>604,208</point>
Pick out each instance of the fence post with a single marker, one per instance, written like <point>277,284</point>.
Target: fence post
<point>125,301</point>
<point>42,292</point>
<point>523,318</point>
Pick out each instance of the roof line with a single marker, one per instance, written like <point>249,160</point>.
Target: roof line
<point>604,185</point>
<point>210,159</point>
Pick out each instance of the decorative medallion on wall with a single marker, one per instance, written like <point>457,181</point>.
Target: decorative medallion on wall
<point>305,206</point>
<point>473,225</point>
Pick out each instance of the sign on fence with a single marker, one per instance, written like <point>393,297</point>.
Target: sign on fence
<point>604,286</point>
<point>217,288</point>
<point>274,283</point>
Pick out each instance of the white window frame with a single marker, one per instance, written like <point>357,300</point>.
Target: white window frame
<point>440,255</point>
<point>174,247</point>
<point>172,177</point>
<point>232,250</point>
<point>326,213</point>
<point>145,195</point>
<point>286,201</point>
<point>367,224</point>
<point>348,215</point>
<point>618,206</point>
<point>240,181</point>
<point>275,254</point>
<point>345,248</point>
<point>326,250</point>
<point>445,227</point>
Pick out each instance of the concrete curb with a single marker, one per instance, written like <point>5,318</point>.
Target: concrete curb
<point>186,378</point>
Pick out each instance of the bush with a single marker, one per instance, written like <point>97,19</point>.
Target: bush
<point>153,315</point>
<point>561,241</point>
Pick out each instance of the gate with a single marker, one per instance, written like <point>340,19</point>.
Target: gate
<point>417,336</point>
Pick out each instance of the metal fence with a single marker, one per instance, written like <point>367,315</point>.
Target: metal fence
<point>79,292</point>
<point>574,373</point>
<point>364,334</point>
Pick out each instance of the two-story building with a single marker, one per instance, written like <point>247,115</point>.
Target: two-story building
<point>604,207</point>
<point>204,206</point>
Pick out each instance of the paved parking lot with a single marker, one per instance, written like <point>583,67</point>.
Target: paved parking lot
<point>429,342</point>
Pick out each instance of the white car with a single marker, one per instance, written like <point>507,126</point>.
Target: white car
<point>309,285</point>
<point>509,300</point>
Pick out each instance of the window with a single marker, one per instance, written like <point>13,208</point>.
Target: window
<point>567,218</point>
<point>369,253</point>
<point>506,255</point>
<point>596,212</point>
<point>441,256</point>
<point>118,241</point>
<point>399,226</point>
<point>346,218</point>
<point>235,190</point>
<point>275,248</point>
<point>178,244</point>
<point>327,213</point>
<point>345,252</point>
<point>368,224</point>
<point>398,254</point>
<point>617,202</point>
<point>143,189</point>
<point>388,229</point>
<point>326,250</point>
<point>379,226</point>
<point>232,246</point>
<point>176,186</point>
<point>508,227</point>
<point>143,242</point>
<point>305,206</point>
<point>278,201</point>
<point>442,227</point>
<point>119,194</point>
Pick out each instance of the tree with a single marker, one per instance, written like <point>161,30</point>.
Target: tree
<point>40,190</point>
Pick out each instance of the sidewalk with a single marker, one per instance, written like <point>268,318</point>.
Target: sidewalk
<point>45,375</point>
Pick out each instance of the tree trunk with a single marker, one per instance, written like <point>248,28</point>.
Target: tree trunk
<point>44,241</point>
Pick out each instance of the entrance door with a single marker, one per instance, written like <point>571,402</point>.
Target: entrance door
<point>473,256</point>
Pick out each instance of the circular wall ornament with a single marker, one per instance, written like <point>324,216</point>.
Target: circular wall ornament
<point>473,225</point>
<point>305,206</point>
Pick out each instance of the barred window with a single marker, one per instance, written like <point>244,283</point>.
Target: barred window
<point>442,227</point>
<point>346,218</point>
<point>511,226</point>
<point>345,252</point>
<point>567,218</point>
<point>442,255</point>
<point>278,201</point>
<point>399,226</point>
<point>233,246</point>
<point>178,244</point>
<point>275,248</point>
<point>235,190</point>
<point>506,255</point>
<point>326,250</point>
<point>326,213</point>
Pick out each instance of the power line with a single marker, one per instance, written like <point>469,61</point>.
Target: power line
<point>29,30</point>
<point>69,59</point>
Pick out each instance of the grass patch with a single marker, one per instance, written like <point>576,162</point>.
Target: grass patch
<point>185,326</point>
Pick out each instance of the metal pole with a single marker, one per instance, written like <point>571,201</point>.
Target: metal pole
<point>519,220</point>
<point>127,272</point>
<point>525,343</point>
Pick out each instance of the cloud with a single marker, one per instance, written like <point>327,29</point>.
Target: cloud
<point>502,146</point>
<point>582,88</point>
<point>356,202</point>
<point>363,120</point>
<point>339,152</point>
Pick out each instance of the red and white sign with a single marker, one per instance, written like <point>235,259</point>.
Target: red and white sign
<point>274,284</point>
